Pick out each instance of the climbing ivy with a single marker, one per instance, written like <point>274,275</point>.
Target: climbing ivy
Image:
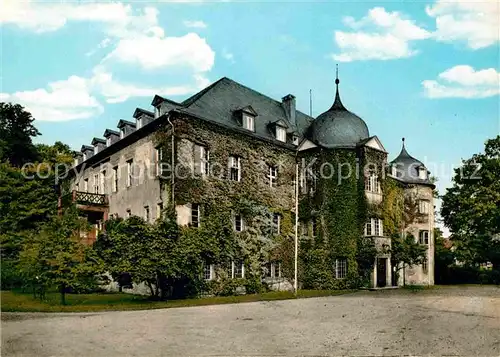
<point>338,207</point>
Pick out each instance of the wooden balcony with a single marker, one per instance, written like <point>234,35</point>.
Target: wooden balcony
<point>90,199</point>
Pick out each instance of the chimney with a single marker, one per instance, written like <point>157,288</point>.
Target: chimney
<point>289,106</point>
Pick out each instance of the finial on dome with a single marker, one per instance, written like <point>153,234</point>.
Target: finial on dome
<point>337,76</point>
<point>403,140</point>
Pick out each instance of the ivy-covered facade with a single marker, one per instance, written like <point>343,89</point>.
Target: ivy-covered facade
<point>237,165</point>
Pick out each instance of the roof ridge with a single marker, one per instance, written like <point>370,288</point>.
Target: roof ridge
<point>187,102</point>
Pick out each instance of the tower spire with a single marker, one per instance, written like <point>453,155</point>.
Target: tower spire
<point>337,103</point>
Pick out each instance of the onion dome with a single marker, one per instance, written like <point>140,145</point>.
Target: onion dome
<point>408,169</point>
<point>338,127</point>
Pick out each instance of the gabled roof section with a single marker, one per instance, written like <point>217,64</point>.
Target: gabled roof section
<point>373,142</point>
<point>248,109</point>
<point>123,123</point>
<point>109,132</point>
<point>98,141</point>
<point>281,122</point>
<point>306,144</point>
<point>159,99</point>
<point>139,111</point>
<point>219,101</point>
<point>86,148</point>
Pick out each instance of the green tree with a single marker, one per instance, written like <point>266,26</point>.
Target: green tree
<point>16,133</point>
<point>141,250</point>
<point>471,207</point>
<point>55,256</point>
<point>443,257</point>
<point>406,252</point>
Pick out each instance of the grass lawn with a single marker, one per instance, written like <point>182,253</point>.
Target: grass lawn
<point>24,302</point>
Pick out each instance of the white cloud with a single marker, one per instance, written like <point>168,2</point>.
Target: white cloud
<point>472,21</point>
<point>153,52</point>
<point>227,55</point>
<point>63,100</point>
<point>464,82</point>
<point>380,35</point>
<point>137,40</point>
<point>45,17</point>
<point>116,91</point>
<point>195,24</point>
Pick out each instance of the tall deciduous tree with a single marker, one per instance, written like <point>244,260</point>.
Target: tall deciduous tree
<point>471,207</point>
<point>16,133</point>
<point>55,256</point>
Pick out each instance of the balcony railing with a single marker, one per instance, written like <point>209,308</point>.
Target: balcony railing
<point>88,198</point>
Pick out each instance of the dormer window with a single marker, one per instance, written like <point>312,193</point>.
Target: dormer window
<point>139,123</point>
<point>422,173</point>
<point>295,140</point>
<point>248,122</point>
<point>281,134</point>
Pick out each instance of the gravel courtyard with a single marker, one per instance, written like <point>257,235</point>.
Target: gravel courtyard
<point>447,321</point>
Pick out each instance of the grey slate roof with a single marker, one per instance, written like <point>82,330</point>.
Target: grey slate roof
<point>338,127</point>
<point>221,100</point>
<point>139,111</point>
<point>407,168</point>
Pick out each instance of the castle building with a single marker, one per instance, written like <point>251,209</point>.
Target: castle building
<point>228,144</point>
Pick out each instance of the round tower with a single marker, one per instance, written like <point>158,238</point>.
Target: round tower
<point>419,199</point>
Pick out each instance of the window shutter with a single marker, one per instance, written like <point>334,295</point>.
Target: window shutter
<point>381,227</point>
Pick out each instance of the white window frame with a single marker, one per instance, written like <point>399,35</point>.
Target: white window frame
<point>234,265</point>
<point>422,173</point>
<point>340,268</point>
<point>129,172</point>
<point>195,215</point>
<point>372,183</point>
<point>138,123</point>
<point>96,183</point>
<point>235,163</point>
<point>425,267</point>
<point>423,237</point>
<point>102,183</point>
<point>210,272</point>
<point>295,140</point>
<point>115,179</point>
<point>277,223</point>
<point>203,160</point>
<point>249,122</point>
<point>374,227</point>
<point>281,134</point>
<point>423,206</point>
<point>275,265</point>
<point>273,176</point>
<point>242,223</point>
<point>86,185</point>
<point>158,159</point>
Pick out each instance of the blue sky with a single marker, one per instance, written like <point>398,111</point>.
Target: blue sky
<point>427,71</point>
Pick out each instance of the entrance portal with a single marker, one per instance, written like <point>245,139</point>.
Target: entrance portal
<point>381,272</point>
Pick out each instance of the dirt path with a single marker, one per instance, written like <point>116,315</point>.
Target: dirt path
<point>443,322</point>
